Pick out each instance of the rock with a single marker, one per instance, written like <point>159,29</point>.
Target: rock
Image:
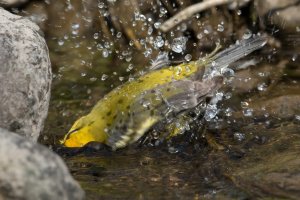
<point>31,171</point>
<point>284,14</point>
<point>25,76</point>
<point>10,3</point>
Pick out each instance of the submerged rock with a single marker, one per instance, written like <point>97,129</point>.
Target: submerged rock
<point>25,76</point>
<point>31,171</point>
<point>10,3</point>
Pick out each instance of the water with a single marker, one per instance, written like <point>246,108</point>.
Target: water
<point>246,151</point>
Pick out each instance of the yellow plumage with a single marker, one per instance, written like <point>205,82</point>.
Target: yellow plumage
<point>130,110</point>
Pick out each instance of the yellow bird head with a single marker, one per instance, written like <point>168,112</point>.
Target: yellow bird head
<point>81,133</point>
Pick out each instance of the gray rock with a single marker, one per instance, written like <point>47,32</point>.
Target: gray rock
<point>25,76</point>
<point>284,14</point>
<point>10,3</point>
<point>31,171</point>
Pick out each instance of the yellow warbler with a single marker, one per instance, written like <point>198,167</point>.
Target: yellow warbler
<point>129,111</point>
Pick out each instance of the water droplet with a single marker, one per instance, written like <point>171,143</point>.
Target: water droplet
<point>150,30</point>
<point>247,34</point>
<point>148,52</point>
<point>248,112</point>
<point>262,87</point>
<point>199,36</point>
<point>163,11</point>
<point>159,42</point>
<point>105,53</point>
<point>244,104</point>
<point>45,138</point>
<point>178,44</point>
<point>119,35</point>
<point>157,25</point>
<point>101,5</point>
<point>96,36</point>
<point>93,79</point>
<point>146,103</point>
<point>173,150</point>
<point>75,26</point>
<point>129,68</point>
<point>228,112</point>
<point>61,42</point>
<point>294,58</point>
<point>220,28</point>
<point>211,112</point>
<point>104,77</point>
<point>188,57</point>
<point>238,136</point>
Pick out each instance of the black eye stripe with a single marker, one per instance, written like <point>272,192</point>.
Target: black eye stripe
<point>68,134</point>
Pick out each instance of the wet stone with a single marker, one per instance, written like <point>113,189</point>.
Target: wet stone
<point>31,171</point>
<point>25,76</point>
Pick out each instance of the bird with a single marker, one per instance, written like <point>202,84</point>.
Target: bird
<point>126,113</point>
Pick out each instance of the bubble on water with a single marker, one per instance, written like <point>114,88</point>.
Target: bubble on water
<point>239,136</point>
<point>297,117</point>
<point>157,25</point>
<point>105,53</point>
<point>220,28</point>
<point>262,87</point>
<point>206,31</point>
<point>61,42</point>
<point>178,44</point>
<point>248,112</point>
<point>188,57</point>
<point>159,42</point>
<point>121,78</point>
<point>104,77</point>
<point>131,43</point>
<point>238,12</point>
<point>247,34</point>
<point>211,112</point>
